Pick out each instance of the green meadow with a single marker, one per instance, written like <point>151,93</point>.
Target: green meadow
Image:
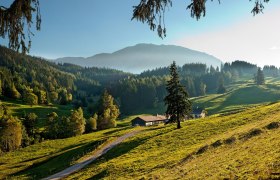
<point>217,147</point>
<point>234,143</point>
<point>238,139</point>
<point>240,96</point>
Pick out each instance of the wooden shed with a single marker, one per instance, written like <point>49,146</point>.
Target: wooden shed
<point>148,120</point>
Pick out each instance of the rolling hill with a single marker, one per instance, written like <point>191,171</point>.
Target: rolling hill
<point>217,147</point>
<point>140,57</point>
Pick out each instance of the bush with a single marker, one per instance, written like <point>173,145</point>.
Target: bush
<point>10,133</point>
<point>251,133</point>
<point>217,143</point>
<point>66,126</point>
<point>273,125</point>
<point>230,140</point>
<point>202,149</point>
<point>91,124</point>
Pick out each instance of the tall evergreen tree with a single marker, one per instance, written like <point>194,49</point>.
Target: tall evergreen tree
<point>178,104</point>
<point>221,88</point>
<point>259,79</point>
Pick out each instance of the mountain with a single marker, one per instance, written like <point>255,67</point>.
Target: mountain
<point>142,57</point>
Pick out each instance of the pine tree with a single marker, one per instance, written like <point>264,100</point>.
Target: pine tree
<point>259,79</point>
<point>221,88</point>
<point>178,104</point>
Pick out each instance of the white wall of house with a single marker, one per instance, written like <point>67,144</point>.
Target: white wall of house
<point>149,123</point>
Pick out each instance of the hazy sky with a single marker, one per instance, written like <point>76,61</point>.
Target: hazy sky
<point>229,31</point>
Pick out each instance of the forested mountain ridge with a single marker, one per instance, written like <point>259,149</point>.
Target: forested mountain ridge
<point>24,76</point>
<point>142,57</point>
<point>36,81</point>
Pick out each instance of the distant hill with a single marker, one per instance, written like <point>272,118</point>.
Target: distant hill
<point>142,57</point>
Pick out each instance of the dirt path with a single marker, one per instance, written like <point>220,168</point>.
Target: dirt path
<point>90,159</point>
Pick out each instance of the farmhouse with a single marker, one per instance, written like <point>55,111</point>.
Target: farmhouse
<point>198,113</point>
<point>148,120</point>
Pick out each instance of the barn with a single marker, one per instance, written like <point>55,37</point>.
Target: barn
<point>148,120</point>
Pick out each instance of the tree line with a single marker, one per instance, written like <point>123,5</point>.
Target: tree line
<point>36,81</point>
<point>21,132</point>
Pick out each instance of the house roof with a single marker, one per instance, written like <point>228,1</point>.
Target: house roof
<point>152,118</point>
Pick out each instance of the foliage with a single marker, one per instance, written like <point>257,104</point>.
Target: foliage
<point>30,98</point>
<point>108,112</point>
<point>30,122</point>
<point>21,74</point>
<point>152,12</point>
<point>178,104</point>
<point>76,123</point>
<point>91,124</point>
<point>10,133</point>
<point>259,79</point>
<point>13,21</point>
<point>221,88</point>
<point>64,127</point>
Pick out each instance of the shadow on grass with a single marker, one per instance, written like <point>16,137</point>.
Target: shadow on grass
<point>100,175</point>
<point>115,130</point>
<point>119,150</point>
<point>58,162</point>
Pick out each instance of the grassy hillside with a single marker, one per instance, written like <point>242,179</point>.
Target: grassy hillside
<point>238,145</point>
<point>239,97</point>
<point>43,159</point>
<point>18,109</point>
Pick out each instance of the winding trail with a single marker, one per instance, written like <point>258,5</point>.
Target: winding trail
<point>90,159</point>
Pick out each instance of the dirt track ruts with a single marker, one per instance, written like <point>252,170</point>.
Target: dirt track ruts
<point>66,172</point>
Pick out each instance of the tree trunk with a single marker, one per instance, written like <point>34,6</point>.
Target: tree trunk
<point>178,121</point>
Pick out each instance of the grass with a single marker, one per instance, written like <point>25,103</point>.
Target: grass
<point>162,152</point>
<point>223,146</point>
<point>240,95</point>
<point>44,159</point>
<point>18,109</point>
<point>240,98</point>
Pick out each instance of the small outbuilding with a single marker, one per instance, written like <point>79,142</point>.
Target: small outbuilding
<point>198,113</point>
<point>148,120</point>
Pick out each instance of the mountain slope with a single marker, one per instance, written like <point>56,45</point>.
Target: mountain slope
<point>143,57</point>
<point>217,146</point>
<point>190,153</point>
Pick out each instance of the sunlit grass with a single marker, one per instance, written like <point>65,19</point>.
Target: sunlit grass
<point>160,152</point>
<point>43,159</point>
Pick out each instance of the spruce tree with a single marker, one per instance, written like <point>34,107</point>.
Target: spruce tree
<point>260,77</point>
<point>178,104</point>
<point>221,88</point>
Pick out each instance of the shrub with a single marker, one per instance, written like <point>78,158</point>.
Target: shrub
<point>202,149</point>
<point>273,125</point>
<point>217,143</point>
<point>230,140</point>
<point>251,133</point>
<point>10,133</point>
<point>91,124</point>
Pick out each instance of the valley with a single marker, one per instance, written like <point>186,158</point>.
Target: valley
<point>239,121</point>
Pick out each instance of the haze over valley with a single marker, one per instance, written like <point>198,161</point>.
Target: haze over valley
<point>141,57</point>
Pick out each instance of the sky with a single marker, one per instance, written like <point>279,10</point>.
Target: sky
<point>229,31</point>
